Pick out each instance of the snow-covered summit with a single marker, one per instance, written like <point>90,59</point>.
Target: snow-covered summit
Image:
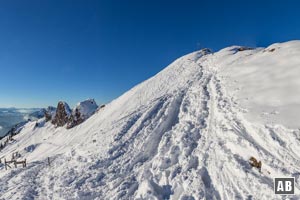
<point>186,133</point>
<point>265,82</point>
<point>86,108</point>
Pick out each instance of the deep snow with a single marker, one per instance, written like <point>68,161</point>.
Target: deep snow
<point>186,133</point>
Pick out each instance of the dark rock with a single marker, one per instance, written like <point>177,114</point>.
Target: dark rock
<point>49,113</point>
<point>62,115</point>
<point>82,111</point>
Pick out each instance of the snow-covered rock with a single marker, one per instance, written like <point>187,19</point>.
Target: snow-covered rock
<point>186,133</point>
<point>81,112</point>
<point>50,113</point>
<point>87,108</point>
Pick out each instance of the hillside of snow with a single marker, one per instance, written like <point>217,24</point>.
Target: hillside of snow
<point>187,133</point>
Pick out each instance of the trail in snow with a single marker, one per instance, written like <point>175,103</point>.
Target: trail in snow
<point>179,135</point>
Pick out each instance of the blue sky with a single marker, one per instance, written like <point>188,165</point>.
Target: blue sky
<point>71,50</point>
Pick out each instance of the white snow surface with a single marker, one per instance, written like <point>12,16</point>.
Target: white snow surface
<point>86,108</point>
<point>186,133</point>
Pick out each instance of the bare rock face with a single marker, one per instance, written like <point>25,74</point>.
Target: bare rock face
<point>62,115</point>
<point>81,112</point>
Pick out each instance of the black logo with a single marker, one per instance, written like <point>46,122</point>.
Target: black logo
<point>284,185</point>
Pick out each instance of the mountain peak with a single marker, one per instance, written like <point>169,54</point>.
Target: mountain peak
<point>189,132</point>
<point>62,114</point>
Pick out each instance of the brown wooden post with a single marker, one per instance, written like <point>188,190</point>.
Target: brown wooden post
<point>5,163</point>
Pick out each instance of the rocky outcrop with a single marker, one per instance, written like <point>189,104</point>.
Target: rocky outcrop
<point>81,112</point>
<point>75,119</point>
<point>49,113</point>
<point>62,115</point>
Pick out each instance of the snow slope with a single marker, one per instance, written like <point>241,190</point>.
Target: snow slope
<point>186,133</point>
<point>267,83</point>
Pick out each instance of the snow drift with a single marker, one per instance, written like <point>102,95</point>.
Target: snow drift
<point>186,133</point>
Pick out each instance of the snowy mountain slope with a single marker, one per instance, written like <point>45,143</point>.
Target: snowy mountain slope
<point>266,83</point>
<point>186,133</point>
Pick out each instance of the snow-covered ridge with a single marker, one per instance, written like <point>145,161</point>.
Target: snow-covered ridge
<point>186,133</point>
<point>266,82</point>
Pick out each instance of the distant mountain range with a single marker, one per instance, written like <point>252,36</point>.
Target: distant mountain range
<point>11,116</point>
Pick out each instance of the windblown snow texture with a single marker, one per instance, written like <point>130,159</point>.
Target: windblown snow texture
<point>186,133</point>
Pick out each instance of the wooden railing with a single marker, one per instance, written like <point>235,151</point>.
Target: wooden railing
<point>15,162</point>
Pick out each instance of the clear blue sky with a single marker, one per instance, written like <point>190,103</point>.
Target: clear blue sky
<point>71,50</point>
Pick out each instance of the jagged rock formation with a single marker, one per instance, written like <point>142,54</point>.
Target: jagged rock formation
<point>75,119</point>
<point>62,114</point>
<point>81,112</point>
<point>49,113</point>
